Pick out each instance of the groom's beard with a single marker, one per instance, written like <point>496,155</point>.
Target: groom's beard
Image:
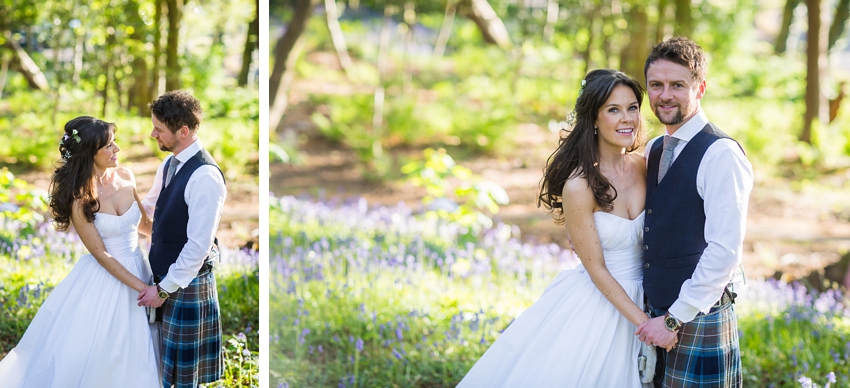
<point>167,147</point>
<point>677,118</point>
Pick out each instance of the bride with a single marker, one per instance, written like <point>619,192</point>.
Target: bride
<point>90,332</point>
<point>581,331</point>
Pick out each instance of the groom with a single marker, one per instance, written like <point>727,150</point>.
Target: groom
<point>187,198</point>
<point>698,185</point>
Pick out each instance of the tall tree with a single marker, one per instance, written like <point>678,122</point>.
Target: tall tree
<point>337,36</point>
<point>785,29</point>
<point>634,53</point>
<point>172,62</point>
<point>157,48</point>
<point>284,45</point>
<point>842,11</point>
<point>660,22</point>
<point>445,28</point>
<point>684,20</point>
<point>591,16</point>
<point>22,62</point>
<point>252,43</point>
<point>816,61</point>
<point>484,16</point>
<point>140,93</point>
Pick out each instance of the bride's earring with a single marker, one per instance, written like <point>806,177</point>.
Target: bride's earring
<point>594,130</point>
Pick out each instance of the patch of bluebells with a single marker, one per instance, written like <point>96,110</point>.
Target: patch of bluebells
<point>320,237</point>
<point>805,328</point>
<point>338,251</point>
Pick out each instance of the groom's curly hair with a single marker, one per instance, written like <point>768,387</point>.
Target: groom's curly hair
<point>73,180</point>
<point>577,154</point>
<point>682,51</point>
<point>176,109</point>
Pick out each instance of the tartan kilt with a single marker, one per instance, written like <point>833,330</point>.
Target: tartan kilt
<point>708,353</point>
<point>191,335</point>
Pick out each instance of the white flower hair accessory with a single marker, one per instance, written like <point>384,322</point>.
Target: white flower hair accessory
<point>571,118</point>
<point>74,135</point>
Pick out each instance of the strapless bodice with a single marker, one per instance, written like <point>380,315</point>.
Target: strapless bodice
<point>120,234</point>
<point>622,245</point>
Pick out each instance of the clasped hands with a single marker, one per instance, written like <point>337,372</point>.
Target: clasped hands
<point>149,297</point>
<point>654,333</point>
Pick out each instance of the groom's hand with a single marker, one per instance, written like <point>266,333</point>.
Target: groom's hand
<point>653,332</point>
<point>149,297</point>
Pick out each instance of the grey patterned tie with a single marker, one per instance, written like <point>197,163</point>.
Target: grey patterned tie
<point>670,143</point>
<point>172,168</point>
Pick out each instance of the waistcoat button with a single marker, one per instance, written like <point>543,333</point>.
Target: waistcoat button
<point>646,247</point>
<point>648,211</point>
<point>646,229</point>
<point>646,265</point>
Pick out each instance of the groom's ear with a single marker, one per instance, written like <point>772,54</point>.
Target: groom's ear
<point>701,91</point>
<point>184,131</point>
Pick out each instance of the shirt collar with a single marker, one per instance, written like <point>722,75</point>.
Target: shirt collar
<point>190,151</point>
<point>690,129</point>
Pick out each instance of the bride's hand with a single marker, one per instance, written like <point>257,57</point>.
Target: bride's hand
<point>149,297</point>
<point>653,332</point>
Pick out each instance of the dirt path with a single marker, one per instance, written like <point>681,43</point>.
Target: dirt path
<point>789,232</point>
<point>239,222</point>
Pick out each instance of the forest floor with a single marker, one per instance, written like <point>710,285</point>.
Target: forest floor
<point>793,231</point>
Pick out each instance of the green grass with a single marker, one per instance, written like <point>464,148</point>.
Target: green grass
<point>378,297</point>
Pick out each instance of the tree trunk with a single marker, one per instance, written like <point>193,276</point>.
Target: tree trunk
<point>445,29</point>
<point>4,71</point>
<point>284,45</point>
<point>140,90</point>
<point>157,49</point>
<point>816,39</point>
<point>22,62</point>
<point>252,43</point>
<point>585,54</point>
<point>337,37</point>
<point>78,58</point>
<point>172,62</point>
<point>491,26</point>
<point>683,18</point>
<point>378,112</point>
<point>105,91</point>
<point>551,18</point>
<point>842,11</point>
<point>659,24</point>
<point>278,108</point>
<point>787,18</point>
<point>633,56</point>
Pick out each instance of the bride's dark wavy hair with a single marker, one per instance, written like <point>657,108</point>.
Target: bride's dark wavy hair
<point>577,154</point>
<point>73,180</point>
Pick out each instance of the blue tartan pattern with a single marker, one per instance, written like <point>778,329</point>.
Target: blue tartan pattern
<point>708,352</point>
<point>191,335</point>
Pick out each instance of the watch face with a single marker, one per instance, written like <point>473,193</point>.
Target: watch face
<point>163,295</point>
<point>671,323</point>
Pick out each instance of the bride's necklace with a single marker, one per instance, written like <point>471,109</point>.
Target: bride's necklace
<point>100,185</point>
<point>612,177</point>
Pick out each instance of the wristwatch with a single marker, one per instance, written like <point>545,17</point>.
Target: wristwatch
<point>672,323</point>
<point>162,294</point>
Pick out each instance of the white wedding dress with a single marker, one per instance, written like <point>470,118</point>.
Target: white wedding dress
<point>573,336</point>
<point>90,332</point>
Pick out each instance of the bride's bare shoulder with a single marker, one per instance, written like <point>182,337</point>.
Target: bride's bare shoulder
<point>577,191</point>
<point>125,173</point>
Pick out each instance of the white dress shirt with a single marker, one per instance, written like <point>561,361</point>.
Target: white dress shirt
<point>724,182</point>
<point>205,194</point>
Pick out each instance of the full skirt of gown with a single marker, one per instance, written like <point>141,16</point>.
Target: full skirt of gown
<point>90,332</point>
<point>573,336</point>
